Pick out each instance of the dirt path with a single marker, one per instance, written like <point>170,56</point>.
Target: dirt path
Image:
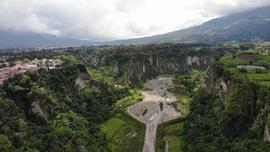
<point>154,109</point>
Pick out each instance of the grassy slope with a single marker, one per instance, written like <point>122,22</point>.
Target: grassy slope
<point>124,133</point>
<point>170,132</point>
<point>262,59</point>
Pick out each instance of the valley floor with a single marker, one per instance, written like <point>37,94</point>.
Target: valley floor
<point>156,108</point>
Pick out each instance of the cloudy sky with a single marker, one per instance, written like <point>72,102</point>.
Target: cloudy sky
<point>114,19</point>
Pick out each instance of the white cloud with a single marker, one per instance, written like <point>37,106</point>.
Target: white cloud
<point>113,19</point>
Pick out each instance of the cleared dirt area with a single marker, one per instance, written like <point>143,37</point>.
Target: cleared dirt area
<point>155,109</point>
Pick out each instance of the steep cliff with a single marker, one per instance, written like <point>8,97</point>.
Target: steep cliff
<point>228,113</point>
<point>217,81</point>
<point>138,63</point>
<point>243,101</point>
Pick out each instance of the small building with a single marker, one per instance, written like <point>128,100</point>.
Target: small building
<point>251,67</point>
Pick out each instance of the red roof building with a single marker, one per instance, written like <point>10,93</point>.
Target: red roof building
<point>247,57</point>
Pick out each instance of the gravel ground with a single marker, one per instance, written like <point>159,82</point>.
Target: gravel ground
<point>149,110</point>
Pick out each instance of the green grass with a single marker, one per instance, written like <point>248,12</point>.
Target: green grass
<point>259,76</point>
<point>265,83</point>
<point>100,76</point>
<point>229,61</point>
<point>124,133</point>
<point>184,104</point>
<point>261,59</point>
<point>174,143</point>
<point>108,71</point>
<point>182,97</point>
<point>170,132</point>
<point>129,100</point>
<point>195,73</point>
<point>111,126</point>
<point>232,70</point>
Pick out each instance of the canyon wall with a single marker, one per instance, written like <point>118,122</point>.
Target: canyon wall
<point>133,65</point>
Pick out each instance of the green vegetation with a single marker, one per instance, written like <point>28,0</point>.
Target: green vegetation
<point>44,111</point>
<point>212,127</point>
<point>185,86</point>
<point>253,58</point>
<point>170,134</point>
<point>124,133</point>
<point>233,120</point>
<point>132,65</point>
<point>135,96</point>
<point>183,104</point>
<point>230,60</point>
<point>68,59</point>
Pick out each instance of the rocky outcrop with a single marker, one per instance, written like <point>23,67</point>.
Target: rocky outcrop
<point>80,83</point>
<point>35,108</point>
<point>149,66</point>
<point>193,60</point>
<point>83,76</point>
<point>220,85</point>
<point>239,96</point>
<point>136,63</point>
<point>266,134</point>
<point>36,114</point>
<point>116,69</point>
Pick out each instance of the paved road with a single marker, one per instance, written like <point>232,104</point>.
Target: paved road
<point>149,110</point>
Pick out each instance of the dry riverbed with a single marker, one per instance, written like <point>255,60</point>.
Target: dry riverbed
<point>155,109</point>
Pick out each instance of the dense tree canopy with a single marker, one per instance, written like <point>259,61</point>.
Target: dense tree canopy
<point>45,111</point>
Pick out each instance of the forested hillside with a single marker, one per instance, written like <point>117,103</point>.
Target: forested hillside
<point>231,110</point>
<point>46,111</point>
<point>221,92</point>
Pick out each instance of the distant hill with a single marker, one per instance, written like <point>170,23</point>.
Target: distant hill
<point>12,39</point>
<point>239,27</point>
<point>242,27</point>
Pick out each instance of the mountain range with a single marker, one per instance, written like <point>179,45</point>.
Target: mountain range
<point>14,39</point>
<point>239,27</point>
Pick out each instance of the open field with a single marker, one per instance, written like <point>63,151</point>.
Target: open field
<point>124,133</point>
<point>255,59</point>
<point>169,137</point>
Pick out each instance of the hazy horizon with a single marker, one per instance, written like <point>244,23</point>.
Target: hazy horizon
<point>101,20</point>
